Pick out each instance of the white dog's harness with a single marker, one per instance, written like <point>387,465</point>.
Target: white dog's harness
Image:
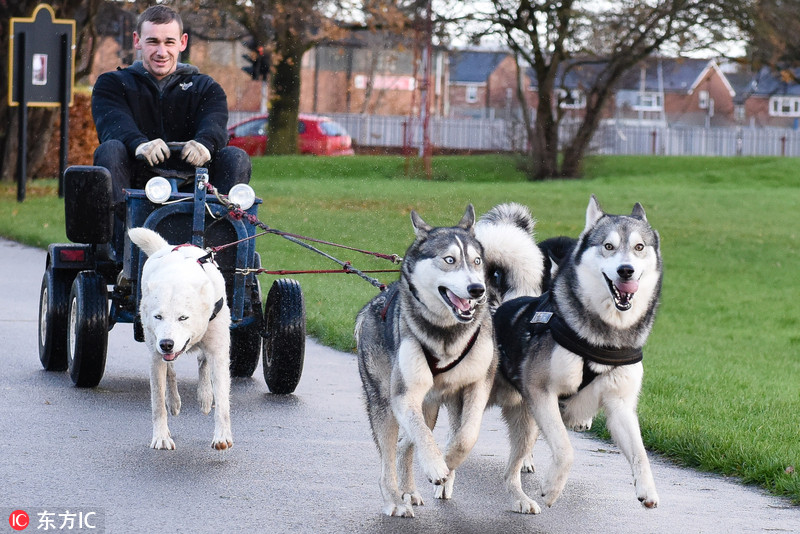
<point>208,258</point>
<point>540,315</point>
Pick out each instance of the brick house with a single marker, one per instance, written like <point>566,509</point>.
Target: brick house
<point>481,84</point>
<point>768,98</point>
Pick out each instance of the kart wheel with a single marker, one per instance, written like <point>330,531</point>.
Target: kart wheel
<point>53,304</point>
<point>87,332</point>
<point>246,340</point>
<point>285,337</point>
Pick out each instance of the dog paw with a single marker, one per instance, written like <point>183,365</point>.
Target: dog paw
<point>582,426</point>
<point>414,498</point>
<point>525,506</point>
<point>445,491</point>
<point>206,400</point>
<point>222,444</point>
<point>163,443</point>
<point>400,509</point>
<point>527,465</point>
<point>552,488</point>
<point>437,472</point>
<point>649,499</point>
<point>174,405</point>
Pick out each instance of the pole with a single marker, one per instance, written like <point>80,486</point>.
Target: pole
<point>426,94</point>
<point>22,147</point>
<point>64,149</point>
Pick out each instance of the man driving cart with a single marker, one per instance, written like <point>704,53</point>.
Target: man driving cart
<point>143,111</point>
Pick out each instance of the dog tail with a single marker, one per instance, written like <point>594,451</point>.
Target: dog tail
<point>511,213</point>
<point>147,240</point>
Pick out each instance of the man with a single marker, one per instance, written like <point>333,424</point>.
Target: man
<point>138,110</point>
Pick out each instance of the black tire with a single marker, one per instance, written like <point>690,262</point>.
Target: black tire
<point>53,304</point>
<point>87,329</point>
<point>285,337</point>
<point>246,340</point>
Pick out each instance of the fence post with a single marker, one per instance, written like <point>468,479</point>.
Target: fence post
<point>783,145</point>
<point>653,148</point>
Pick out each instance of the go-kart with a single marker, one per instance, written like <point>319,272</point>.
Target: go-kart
<point>92,284</point>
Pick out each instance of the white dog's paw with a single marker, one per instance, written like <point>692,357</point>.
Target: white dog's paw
<point>414,498</point>
<point>223,440</point>
<point>445,491</point>
<point>581,426</point>
<point>647,496</point>
<point>400,509</point>
<point>162,442</point>
<point>527,465</point>
<point>436,471</point>
<point>206,400</point>
<point>526,506</point>
<point>174,404</point>
<point>552,487</point>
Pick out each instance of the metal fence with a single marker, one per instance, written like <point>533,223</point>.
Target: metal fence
<point>497,135</point>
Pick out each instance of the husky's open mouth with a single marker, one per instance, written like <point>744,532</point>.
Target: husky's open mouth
<point>463,309</point>
<point>622,292</point>
<point>172,356</point>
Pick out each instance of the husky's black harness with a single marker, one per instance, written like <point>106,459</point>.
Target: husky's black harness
<point>519,321</point>
<point>433,362</point>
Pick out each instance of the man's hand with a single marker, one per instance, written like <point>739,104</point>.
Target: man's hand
<point>195,153</point>
<point>155,151</point>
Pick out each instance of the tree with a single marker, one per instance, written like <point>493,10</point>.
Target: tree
<point>550,35</point>
<point>772,30</point>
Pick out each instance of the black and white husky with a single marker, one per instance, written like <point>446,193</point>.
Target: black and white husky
<point>578,349</point>
<point>428,341</point>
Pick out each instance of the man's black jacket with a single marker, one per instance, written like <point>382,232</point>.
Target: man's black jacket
<point>128,105</point>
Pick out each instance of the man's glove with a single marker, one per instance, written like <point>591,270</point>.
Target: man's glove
<point>155,151</point>
<point>195,153</point>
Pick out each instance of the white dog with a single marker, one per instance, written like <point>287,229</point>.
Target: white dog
<point>183,308</point>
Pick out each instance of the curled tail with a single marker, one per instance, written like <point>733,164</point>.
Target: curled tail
<point>515,265</point>
<point>147,240</point>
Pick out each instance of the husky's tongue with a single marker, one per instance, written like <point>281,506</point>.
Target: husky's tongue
<point>169,357</point>
<point>462,304</point>
<point>630,287</point>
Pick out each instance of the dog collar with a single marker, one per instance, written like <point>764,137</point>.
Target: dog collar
<point>433,363</point>
<point>217,308</point>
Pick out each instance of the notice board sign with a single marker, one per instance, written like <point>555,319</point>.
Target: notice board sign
<point>41,59</point>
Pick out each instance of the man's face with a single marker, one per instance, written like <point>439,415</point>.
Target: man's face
<point>161,46</point>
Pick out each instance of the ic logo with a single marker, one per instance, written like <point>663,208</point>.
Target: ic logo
<point>19,520</point>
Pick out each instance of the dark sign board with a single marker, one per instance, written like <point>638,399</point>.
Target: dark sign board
<point>36,53</point>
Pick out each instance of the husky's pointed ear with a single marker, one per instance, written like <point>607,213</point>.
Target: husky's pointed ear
<point>468,220</point>
<point>420,226</point>
<point>638,212</point>
<point>593,212</point>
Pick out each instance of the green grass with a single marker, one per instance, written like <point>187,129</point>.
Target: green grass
<point>722,368</point>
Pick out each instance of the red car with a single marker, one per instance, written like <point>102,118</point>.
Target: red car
<point>317,135</point>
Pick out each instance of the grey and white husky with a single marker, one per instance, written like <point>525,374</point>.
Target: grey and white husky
<point>428,341</point>
<point>577,349</point>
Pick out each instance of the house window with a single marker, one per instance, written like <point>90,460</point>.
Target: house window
<point>702,99</point>
<point>572,99</point>
<point>472,94</point>
<point>784,106</point>
<point>648,101</point>
<point>739,113</point>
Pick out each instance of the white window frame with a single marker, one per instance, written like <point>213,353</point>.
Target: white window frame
<point>702,99</point>
<point>578,99</point>
<point>784,106</point>
<point>648,101</point>
<point>471,94</point>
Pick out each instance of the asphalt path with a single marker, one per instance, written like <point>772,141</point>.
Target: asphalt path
<point>303,463</point>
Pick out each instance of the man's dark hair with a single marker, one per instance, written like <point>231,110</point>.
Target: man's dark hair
<point>159,14</point>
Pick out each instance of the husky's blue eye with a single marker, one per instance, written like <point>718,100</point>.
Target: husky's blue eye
<point>449,259</point>
<point>182,318</point>
<point>157,317</point>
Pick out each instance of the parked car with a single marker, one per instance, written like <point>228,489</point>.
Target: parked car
<point>317,135</point>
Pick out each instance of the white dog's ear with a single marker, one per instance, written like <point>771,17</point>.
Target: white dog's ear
<point>593,212</point>
<point>468,220</point>
<point>638,212</point>
<point>420,227</point>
